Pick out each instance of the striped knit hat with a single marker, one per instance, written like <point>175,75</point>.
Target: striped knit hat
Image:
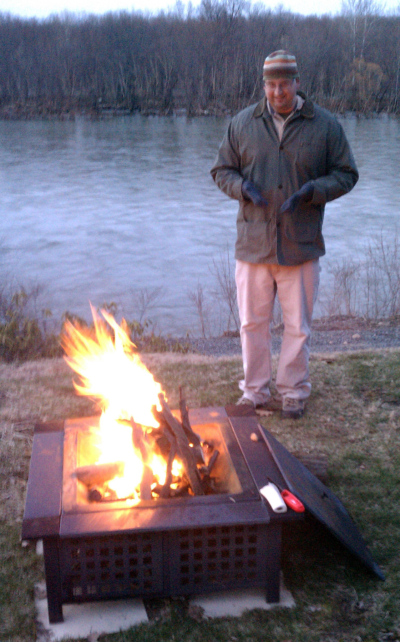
<point>280,64</point>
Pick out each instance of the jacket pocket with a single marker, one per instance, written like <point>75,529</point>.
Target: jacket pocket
<point>254,239</point>
<point>303,226</point>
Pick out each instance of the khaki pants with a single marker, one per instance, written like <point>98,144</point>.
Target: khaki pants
<point>297,288</point>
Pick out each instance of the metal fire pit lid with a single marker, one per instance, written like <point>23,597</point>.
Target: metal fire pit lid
<point>321,502</point>
<point>316,497</point>
<point>289,472</point>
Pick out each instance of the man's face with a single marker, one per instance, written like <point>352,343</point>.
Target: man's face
<point>281,93</point>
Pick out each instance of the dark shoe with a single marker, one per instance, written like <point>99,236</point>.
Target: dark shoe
<point>242,408</point>
<point>273,404</point>
<point>244,401</point>
<point>293,408</point>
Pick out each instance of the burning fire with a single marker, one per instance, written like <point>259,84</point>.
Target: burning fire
<point>112,372</point>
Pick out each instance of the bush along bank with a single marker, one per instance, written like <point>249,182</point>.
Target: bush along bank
<point>25,334</point>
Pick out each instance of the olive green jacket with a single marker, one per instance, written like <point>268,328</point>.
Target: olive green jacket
<point>313,148</point>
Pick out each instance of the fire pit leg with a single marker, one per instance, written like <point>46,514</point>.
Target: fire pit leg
<point>53,579</point>
<point>273,562</point>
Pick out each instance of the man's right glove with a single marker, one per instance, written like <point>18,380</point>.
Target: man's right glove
<point>251,193</point>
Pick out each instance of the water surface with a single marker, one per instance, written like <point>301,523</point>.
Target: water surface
<point>97,210</point>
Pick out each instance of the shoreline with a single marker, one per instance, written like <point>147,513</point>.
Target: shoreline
<point>73,112</point>
<point>331,334</point>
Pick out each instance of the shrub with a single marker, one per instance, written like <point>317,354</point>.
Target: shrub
<point>23,335</point>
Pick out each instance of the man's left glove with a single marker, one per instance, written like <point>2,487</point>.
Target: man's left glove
<point>304,195</point>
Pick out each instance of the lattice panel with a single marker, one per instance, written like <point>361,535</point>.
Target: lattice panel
<point>217,558</point>
<point>111,567</point>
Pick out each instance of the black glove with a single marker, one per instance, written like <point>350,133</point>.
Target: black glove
<point>251,193</point>
<point>304,195</point>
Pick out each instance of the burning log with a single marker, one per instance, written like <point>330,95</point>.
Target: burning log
<point>180,492</point>
<point>145,484</point>
<point>165,491</point>
<point>99,474</point>
<point>207,481</point>
<point>194,439</point>
<point>95,494</point>
<point>163,435</point>
<point>212,461</point>
<point>147,477</point>
<point>184,450</point>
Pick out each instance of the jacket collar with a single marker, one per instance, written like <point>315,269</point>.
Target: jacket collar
<point>307,110</point>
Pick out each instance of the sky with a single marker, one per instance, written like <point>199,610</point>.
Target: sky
<point>44,8</point>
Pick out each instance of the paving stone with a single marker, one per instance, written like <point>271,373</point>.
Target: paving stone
<point>235,603</point>
<point>90,618</point>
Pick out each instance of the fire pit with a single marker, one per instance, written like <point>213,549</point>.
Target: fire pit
<point>174,546</point>
<point>146,502</point>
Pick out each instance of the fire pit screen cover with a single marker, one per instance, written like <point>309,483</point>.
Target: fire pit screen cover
<point>197,560</point>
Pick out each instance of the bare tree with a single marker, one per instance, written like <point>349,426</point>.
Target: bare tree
<point>143,299</point>
<point>202,59</point>
<point>202,307</point>
<point>361,16</point>
<point>226,288</point>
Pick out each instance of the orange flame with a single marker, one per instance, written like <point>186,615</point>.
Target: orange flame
<point>113,373</point>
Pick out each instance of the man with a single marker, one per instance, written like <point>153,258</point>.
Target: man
<point>282,159</point>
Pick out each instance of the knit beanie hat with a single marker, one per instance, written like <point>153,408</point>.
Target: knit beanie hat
<point>280,64</point>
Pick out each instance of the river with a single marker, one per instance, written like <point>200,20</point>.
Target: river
<point>115,210</point>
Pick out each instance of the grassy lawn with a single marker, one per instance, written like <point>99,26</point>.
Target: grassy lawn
<point>353,419</point>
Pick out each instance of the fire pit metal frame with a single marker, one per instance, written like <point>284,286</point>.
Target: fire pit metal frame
<point>182,548</point>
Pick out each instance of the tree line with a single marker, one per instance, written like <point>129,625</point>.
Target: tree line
<point>206,60</point>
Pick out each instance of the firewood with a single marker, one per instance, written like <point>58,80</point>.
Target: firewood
<point>98,474</point>
<point>95,494</point>
<point>138,440</point>
<point>183,448</point>
<point>165,491</point>
<point>207,482</point>
<point>193,439</point>
<point>191,435</point>
<point>145,484</point>
<point>212,461</point>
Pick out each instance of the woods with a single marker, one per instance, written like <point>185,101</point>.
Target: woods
<point>206,60</point>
